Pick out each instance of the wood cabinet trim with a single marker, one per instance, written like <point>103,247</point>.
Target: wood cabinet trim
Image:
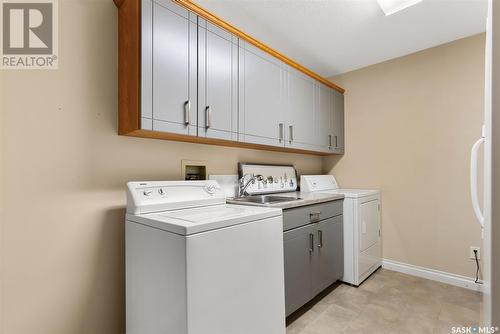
<point>218,142</point>
<point>129,69</point>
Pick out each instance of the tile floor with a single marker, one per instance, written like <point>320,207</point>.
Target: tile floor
<point>389,302</point>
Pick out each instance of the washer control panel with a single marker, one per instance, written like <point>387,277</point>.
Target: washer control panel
<point>147,197</point>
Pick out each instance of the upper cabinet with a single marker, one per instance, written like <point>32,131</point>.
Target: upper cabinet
<point>217,82</point>
<point>187,75</point>
<point>338,122</point>
<point>325,105</point>
<point>330,106</point>
<point>261,98</point>
<point>302,120</point>
<point>174,71</point>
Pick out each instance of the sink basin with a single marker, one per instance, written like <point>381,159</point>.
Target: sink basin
<point>265,199</point>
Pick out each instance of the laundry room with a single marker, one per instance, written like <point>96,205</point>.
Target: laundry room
<point>290,166</point>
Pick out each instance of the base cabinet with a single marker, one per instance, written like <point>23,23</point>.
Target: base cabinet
<point>328,264</point>
<point>314,258</point>
<point>298,258</point>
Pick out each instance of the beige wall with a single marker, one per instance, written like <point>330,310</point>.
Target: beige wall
<point>63,173</point>
<point>410,124</point>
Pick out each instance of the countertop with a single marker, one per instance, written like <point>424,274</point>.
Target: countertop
<point>305,199</point>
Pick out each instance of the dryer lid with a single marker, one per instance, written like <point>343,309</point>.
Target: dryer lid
<point>310,183</point>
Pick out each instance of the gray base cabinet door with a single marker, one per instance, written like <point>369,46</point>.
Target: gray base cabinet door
<point>328,262</point>
<point>261,97</point>
<point>298,254</point>
<point>174,48</point>
<point>217,82</point>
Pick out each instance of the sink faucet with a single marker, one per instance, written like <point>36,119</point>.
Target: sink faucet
<point>243,186</point>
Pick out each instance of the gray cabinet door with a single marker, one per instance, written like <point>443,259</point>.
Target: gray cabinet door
<point>338,122</point>
<point>261,97</point>
<point>301,115</point>
<point>217,82</point>
<point>324,104</point>
<point>298,251</point>
<point>173,69</point>
<point>328,262</point>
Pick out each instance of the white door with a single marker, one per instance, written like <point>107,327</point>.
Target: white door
<point>369,224</point>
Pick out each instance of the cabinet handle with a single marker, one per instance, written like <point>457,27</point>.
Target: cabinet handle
<point>208,117</point>
<point>281,132</point>
<point>330,141</point>
<point>291,133</point>
<point>320,237</point>
<point>314,216</point>
<point>336,141</point>
<point>311,243</point>
<point>187,109</point>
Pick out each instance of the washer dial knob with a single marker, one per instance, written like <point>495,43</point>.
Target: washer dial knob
<point>211,189</point>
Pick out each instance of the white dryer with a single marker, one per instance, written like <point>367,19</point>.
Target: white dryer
<point>362,234</point>
<point>196,265</point>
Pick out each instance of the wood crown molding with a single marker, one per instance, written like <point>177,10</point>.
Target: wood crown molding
<point>189,5</point>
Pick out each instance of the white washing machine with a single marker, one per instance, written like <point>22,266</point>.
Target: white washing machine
<point>196,265</point>
<point>362,234</point>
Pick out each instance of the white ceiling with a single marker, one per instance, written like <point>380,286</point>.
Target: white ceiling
<point>336,36</point>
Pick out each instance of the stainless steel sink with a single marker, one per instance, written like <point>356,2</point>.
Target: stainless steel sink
<point>265,199</point>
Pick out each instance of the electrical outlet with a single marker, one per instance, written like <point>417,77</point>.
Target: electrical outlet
<point>471,253</point>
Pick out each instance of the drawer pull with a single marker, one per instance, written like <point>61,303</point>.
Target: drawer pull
<point>187,112</point>
<point>320,237</point>
<point>208,117</point>
<point>311,243</point>
<point>314,216</point>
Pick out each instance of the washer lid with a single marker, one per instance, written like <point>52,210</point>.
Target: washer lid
<point>190,221</point>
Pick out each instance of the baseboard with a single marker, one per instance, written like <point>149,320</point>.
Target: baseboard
<point>431,274</point>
